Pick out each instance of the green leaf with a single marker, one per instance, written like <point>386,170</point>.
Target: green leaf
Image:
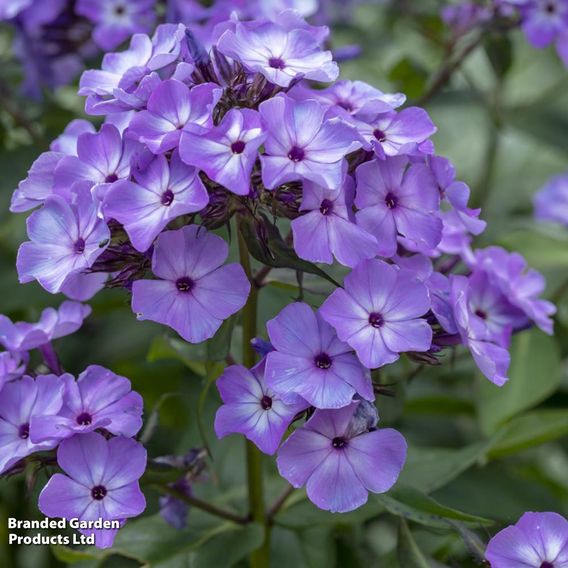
<point>409,555</point>
<point>500,53</point>
<point>413,505</point>
<point>304,514</point>
<point>534,375</point>
<point>70,555</point>
<point>429,469</point>
<point>529,430</point>
<point>318,547</point>
<point>544,248</point>
<point>409,77</point>
<point>273,250</point>
<point>152,542</point>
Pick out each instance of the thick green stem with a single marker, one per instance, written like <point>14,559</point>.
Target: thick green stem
<point>260,558</point>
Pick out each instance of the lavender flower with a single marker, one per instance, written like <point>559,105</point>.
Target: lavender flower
<point>302,143</point>
<point>12,366</point>
<point>195,293</point>
<point>327,227</point>
<point>116,20</point>
<point>226,153</point>
<point>551,201</point>
<point>173,510</point>
<point>100,482</point>
<point>98,399</point>
<point>310,361</point>
<point>378,313</point>
<point>394,200</point>
<point>340,464</point>
<point>20,402</point>
<point>162,191</point>
<point>251,408</point>
<point>102,159</point>
<point>281,55</point>
<point>492,359</point>
<point>398,133</point>
<point>66,238</point>
<point>53,324</point>
<point>537,540</point>
<point>172,108</point>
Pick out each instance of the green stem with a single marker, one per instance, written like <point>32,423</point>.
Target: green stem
<point>260,558</point>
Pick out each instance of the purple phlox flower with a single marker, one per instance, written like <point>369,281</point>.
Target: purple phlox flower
<point>98,399</point>
<point>272,9</point>
<point>396,199</point>
<point>351,98</point>
<point>456,194</point>
<point>66,143</point>
<point>537,540</point>
<point>195,292</point>
<point>38,185</point>
<point>173,510</point>
<point>465,16</point>
<point>339,464</point>
<point>11,8</point>
<point>20,401</point>
<point>226,153</point>
<point>378,312</point>
<point>53,324</point>
<point>488,302</point>
<point>251,408</point>
<point>551,201</point>
<point>82,286</point>
<point>116,20</point>
<point>302,143</point>
<point>261,346</point>
<point>281,55</point>
<point>101,159</point>
<point>127,78</point>
<point>65,238</point>
<point>420,264</point>
<point>544,21</point>
<point>161,192</point>
<point>439,288</point>
<point>309,360</point>
<point>327,228</point>
<point>12,366</point>
<point>398,133</point>
<point>491,358</point>
<point>520,285</point>
<point>100,481</point>
<point>174,107</point>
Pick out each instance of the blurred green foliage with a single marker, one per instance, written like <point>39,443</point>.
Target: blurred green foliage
<point>479,456</point>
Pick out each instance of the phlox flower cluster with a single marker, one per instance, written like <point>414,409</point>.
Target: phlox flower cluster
<point>89,421</point>
<point>253,128</point>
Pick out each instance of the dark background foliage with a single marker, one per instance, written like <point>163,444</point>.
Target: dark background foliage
<point>479,456</point>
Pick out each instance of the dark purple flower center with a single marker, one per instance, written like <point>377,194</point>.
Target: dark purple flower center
<point>79,246</point>
<point>111,178</point>
<point>379,135</point>
<point>167,197</point>
<point>391,200</point>
<point>276,63</point>
<point>296,154</point>
<point>551,9</point>
<point>376,320</point>
<point>339,443</point>
<point>184,284</point>
<point>98,492</point>
<point>266,402</point>
<point>323,361</point>
<point>481,314</point>
<point>238,147</point>
<point>119,10</point>
<point>546,564</point>
<point>84,419</point>
<point>24,431</point>
<point>345,105</point>
<point>326,207</point>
